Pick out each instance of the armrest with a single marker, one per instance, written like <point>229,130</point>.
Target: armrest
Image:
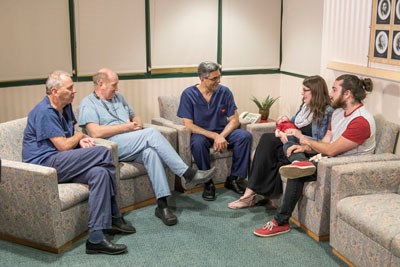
<point>365,178</point>
<point>325,168</point>
<point>28,188</point>
<point>183,141</point>
<point>258,129</point>
<point>169,133</point>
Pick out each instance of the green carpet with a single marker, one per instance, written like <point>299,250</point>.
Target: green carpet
<point>208,234</point>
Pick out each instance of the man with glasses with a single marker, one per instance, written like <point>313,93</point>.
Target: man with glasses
<point>209,111</point>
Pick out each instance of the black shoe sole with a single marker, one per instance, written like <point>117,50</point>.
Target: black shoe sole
<point>91,251</point>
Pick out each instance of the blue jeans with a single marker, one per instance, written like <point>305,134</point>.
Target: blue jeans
<point>149,147</point>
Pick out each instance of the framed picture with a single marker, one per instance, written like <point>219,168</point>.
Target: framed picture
<point>383,12</point>
<point>396,45</point>
<point>385,32</point>
<point>381,43</point>
<point>397,13</point>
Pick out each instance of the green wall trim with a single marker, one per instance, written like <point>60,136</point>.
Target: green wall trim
<point>73,39</point>
<point>148,37</point>
<point>219,39</point>
<point>139,76</point>
<point>294,74</point>
<point>22,83</point>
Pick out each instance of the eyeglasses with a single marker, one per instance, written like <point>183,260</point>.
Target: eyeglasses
<point>215,79</point>
<point>306,90</point>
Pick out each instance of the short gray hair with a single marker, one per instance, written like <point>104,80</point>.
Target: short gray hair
<point>206,67</point>
<point>55,80</point>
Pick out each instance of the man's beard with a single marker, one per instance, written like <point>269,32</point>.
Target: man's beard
<point>338,103</point>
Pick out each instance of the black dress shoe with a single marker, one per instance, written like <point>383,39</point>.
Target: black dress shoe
<point>105,247</point>
<point>119,225</point>
<point>209,192</point>
<point>167,216</point>
<point>234,186</point>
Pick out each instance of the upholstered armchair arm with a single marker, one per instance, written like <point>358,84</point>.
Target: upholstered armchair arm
<point>365,178</point>
<point>28,196</point>
<point>323,183</point>
<point>169,133</point>
<point>183,138</point>
<point>257,130</point>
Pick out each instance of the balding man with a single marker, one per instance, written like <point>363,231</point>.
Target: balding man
<point>106,114</point>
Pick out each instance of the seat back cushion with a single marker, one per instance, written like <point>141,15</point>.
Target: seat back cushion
<point>11,136</point>
<point>168,106</point>
<point>386,135</point>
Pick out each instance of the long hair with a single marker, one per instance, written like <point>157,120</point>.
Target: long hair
<point>320,97</point>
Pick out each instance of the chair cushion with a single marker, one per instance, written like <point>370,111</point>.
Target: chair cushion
<point>131,169</point>
<point>72,194</point>
<point>375,215</point>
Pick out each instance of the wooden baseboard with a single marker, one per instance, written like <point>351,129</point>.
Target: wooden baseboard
<point>309,232</point>
<point>31,244</point>
<point>139,205</point>
<point>343,258</point>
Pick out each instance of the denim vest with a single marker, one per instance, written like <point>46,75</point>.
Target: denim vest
<point>318,132</point>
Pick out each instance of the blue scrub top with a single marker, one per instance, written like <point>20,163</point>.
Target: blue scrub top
<point>45,122</point>
<point>211,116</point>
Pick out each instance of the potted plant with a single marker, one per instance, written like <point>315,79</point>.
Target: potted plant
<point>264,105</point>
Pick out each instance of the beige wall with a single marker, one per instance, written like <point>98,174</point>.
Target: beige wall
<point>16,102</point>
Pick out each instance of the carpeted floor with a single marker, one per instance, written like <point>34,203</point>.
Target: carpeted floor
<point>208,234</point>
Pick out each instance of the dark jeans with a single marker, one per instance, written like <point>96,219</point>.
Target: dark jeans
<point>293,191</point>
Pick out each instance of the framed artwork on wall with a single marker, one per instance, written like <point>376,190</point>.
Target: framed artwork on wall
<point>385,32</point>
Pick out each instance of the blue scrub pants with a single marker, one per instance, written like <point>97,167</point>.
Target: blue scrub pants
<point>239,141</point>
<point>149,147</point>
<point>94,167</point>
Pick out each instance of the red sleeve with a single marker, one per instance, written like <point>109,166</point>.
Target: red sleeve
<point>358,130</point>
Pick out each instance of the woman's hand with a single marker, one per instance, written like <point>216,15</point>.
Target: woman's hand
<point>295,132</point>
<point>283,137</point>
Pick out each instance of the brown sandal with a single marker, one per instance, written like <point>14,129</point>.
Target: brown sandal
<point>243,202</point>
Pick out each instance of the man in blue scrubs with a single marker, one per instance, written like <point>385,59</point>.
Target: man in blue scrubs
<point>209,111</point>
<point>106,114</point>
<point>50,140</point>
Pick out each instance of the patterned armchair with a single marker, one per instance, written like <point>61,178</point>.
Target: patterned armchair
<point>313,210</point>
<point>365,208</point>
<point>168,106</point>
<point>35,210</point>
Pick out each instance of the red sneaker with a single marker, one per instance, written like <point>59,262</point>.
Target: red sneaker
<point>272,228</point>
<point>297,169</point>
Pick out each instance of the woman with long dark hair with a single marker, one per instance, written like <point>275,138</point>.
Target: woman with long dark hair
<point>312,119</point>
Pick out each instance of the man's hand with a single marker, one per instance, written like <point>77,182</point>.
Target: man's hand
<point>295,149</point>
<point>135,126</point>
<point>87,142</point>
<point>220,143</point>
